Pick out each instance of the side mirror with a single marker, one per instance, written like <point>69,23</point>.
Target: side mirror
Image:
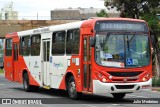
<point>92,41</point>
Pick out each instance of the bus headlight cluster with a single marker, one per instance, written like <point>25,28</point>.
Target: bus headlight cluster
<point>146,77</point>
<point>101,77</point>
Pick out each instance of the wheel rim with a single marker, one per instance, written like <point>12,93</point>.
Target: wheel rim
<point>72,89</point>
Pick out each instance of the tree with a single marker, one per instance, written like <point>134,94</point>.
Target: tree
<point>102,13</point>
<point>133,8</point>
<point>152,21</point>
<point>146,10</point>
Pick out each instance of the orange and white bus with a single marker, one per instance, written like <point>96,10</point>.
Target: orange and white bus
<point>96,56</point>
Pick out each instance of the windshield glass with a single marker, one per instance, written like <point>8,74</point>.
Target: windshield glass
<point>122,50</point>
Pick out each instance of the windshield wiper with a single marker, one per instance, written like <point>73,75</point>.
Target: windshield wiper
<point>104,40</point>
<point>128,41</point>
<point>133,36</point>
<point>107,37</point>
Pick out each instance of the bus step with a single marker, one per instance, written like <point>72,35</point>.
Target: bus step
<point>86,92</point>
<point>46,87</point>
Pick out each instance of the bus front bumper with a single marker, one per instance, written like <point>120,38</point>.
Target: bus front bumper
<point>100,87</point>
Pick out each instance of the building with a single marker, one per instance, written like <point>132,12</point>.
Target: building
<point>8,13</point>
<point>67,14</point>
<point>73,13</point>
<point>80,13</point>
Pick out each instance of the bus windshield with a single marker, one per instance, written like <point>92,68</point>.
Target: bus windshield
<point>122,50</point>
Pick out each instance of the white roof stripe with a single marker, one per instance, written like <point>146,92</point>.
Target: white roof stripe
<point>53,28</point>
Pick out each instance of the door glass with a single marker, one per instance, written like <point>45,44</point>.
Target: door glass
<point>44,51</point>
<point>48,47</point>
<point>85,76</point>
<point>90,82</point>
<point>15,52</point>
<point>85,49</point>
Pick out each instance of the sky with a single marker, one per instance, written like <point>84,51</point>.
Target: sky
<point>29,9</point>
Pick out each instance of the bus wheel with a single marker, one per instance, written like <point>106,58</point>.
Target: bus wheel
<point>26,85</point>
<point>72,92</point>
<point>119,96</point>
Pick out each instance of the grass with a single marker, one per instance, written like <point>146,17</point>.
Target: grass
<point>1,71</point>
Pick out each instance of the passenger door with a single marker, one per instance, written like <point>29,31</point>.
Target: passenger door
<point>45,62</point>
<point>86,75</point>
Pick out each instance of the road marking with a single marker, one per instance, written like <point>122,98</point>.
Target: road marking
<point>156,91</point>
<point>137,96</point>
<point>118,105</point>
<point>88,105</point>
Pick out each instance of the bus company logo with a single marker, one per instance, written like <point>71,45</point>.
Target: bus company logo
<point>125,80</point>
<point>133,78</point>
<point>36,64</point>
<point>8,64</point>
<point>58,65</point>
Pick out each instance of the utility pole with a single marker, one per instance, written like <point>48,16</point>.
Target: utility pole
<point>37,16</point>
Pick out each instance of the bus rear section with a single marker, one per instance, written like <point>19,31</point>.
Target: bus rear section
<point>10,57</point>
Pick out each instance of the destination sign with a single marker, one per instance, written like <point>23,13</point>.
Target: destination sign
<point>121,26</point>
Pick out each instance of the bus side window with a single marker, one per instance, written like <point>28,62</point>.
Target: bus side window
<point>35,44</point>
<point>58,43</point>
<point>8,47</point>
<point>25,45</point>
<point>72,41</point>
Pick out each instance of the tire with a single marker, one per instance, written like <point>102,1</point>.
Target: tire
<point>71,88</point>
<point>26,86</point>
<point>119,96</point>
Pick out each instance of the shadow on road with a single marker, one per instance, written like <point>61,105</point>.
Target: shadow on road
<point>61,97</point>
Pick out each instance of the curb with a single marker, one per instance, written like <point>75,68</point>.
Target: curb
<point>2,74</point>
<point>156,89</point>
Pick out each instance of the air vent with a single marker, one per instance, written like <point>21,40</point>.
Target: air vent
<point>125,74</point>
<point>124,86</point>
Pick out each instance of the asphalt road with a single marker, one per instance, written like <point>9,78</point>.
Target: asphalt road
<point>59,98</point>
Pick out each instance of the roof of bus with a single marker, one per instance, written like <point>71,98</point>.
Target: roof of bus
<point>67,26</point>
<point>125,19</point>
<point>51,28</point>
<point>93,20</point>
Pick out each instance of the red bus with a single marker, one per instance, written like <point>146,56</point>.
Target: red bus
<point>96,56</point>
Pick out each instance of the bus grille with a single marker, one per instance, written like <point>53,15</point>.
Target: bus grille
<point>125,74</point>
<point>124,86</point>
